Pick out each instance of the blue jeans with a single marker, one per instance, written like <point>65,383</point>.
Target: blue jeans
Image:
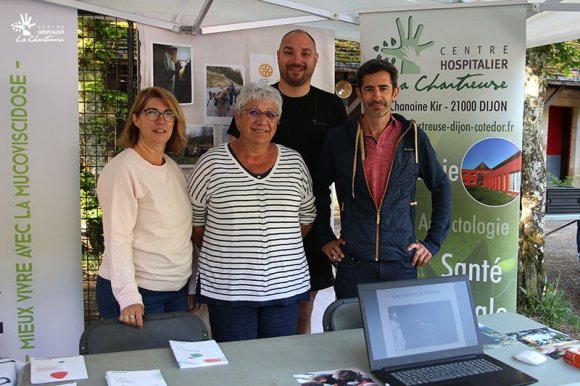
<point>155,302</point>
<point>351,272</point>
<point>230,323</point>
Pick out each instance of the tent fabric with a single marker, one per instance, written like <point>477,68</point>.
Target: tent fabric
<point>544,27</point>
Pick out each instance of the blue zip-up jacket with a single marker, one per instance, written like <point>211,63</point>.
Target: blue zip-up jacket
<point>382,233</point>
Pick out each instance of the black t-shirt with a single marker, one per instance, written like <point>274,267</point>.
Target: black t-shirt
<point>304,123</point>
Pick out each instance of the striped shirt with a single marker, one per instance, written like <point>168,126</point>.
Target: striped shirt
<point>252,245</point>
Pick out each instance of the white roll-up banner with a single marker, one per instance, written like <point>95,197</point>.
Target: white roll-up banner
<point>41,306</point>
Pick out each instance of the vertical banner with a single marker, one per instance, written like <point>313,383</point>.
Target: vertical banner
<point>41,308</point>
<point>462,73</point>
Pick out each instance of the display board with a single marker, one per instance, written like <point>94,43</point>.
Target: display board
<point>465,87</point>
<point>41,308</point>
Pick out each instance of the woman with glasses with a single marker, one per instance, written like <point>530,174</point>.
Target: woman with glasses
<point>252,204</point>
<point>146,215</point>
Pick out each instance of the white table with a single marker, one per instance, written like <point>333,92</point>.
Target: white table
<point>553,372</point>
<point>274,361</point>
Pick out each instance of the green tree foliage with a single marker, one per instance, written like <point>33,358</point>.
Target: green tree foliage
<point>541,62</point>
<point>346,51</point>
<point>91,213</point>
<point>563,58</point>
<point>102,106</point>
<point>102,45</point>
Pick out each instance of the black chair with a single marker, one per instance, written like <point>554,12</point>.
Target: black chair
<point>342,314</point>
<point>110,335</point>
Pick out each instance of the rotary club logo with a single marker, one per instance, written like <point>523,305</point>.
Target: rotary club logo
<point>265,70</point>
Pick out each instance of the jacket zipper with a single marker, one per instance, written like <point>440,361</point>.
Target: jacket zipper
<point>378,209</point>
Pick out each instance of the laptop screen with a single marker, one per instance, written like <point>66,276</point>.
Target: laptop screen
<point>412,321</point>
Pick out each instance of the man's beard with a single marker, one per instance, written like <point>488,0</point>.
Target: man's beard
<point>296,81</point>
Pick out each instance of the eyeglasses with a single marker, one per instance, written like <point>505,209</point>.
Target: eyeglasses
<point>153,115</point>
<point>255,114</point>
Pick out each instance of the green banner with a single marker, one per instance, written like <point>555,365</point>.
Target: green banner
<point>462,79</point>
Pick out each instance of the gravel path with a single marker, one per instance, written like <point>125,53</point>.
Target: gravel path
<point>561,262</point>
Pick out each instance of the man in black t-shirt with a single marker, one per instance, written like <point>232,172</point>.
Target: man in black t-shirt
<point>308,113</point>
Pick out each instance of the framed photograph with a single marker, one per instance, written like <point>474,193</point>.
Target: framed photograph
<point>172,70</point>
<point>221,134</point>
<point>199,139</point>
<point>222,85</point>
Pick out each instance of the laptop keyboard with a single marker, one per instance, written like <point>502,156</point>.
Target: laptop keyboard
<point>445,372</point>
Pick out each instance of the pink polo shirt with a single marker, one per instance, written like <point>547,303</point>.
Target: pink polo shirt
<point>379,157</point>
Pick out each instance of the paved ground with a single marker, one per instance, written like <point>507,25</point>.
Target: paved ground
<point>561,262</point>
<point>323,299</point>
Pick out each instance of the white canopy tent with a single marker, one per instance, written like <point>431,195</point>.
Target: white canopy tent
<point>548,21</point>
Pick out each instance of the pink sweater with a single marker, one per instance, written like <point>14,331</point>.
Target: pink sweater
<point>147,226</point>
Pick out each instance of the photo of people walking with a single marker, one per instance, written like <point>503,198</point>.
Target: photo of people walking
<point>223,84</point>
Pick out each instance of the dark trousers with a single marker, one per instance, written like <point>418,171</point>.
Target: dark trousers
<point>155,302</point>
<point>351,272</point>
<point>230,323</point>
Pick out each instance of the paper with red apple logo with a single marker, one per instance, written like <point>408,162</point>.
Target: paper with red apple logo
<point>44,370</point>
<point>197,354</point>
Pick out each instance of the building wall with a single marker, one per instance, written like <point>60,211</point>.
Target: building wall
<point>568,98</point>
<point>558,142</point>
<point>471,177</point>
<point>497,179</point>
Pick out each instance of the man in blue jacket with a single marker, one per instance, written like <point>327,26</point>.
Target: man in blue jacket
<point>375,161</point>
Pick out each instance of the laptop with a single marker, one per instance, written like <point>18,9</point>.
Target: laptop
<point>419,331</point>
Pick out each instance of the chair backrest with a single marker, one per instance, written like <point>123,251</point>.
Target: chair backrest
<point>110,335</point>
<point>342,314</point>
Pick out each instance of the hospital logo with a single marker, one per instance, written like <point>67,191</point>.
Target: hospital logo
<point>404,50</point>
<point>30,32</point>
